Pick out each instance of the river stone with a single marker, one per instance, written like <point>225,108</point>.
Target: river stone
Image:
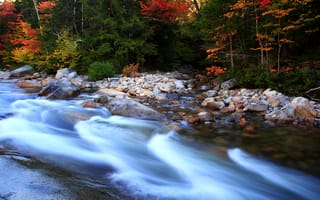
<point>60,89</point>
<point>22,71</point>
<point>131,108</point>
<point>111,93</point>
<point>29,84</point>
<point>256,107</point>
<point>274,101</point>
<point>270,93</point>
<point>212,104</point>
<point>210,93</point>
<point>302,107</point>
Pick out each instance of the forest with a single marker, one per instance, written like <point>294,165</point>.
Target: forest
<point>260,43</point>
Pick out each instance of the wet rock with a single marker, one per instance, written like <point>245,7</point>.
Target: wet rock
<point>29,84</point>
<point>22,71</point>
<point>5,75</point>
<point>193,119</point>
<point>205,116</point>
<point>102,99</point>
<point>91,104</point>
<point>172,97</point>
<point>60,89</point>
<point>131,108</point>
<point>302,108</point>
<point>18,182</point>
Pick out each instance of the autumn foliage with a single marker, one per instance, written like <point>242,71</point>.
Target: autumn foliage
<point>19,43</point>
<point>164,10</point>
<point>215,70</point>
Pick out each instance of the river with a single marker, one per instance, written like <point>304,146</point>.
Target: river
<point>96,155</point>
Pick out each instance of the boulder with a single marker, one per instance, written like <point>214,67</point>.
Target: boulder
<point>66,73</point>
<point>131,108</point>
<point>302,108</point>
<point>5,75</point>
<point>22,71</point>
<point>111,93</point>
<point>60,89</point>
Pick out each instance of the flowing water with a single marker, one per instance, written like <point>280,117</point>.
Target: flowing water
<point>96,155</point>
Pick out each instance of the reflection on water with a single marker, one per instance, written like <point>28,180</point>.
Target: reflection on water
<point>142,158</point>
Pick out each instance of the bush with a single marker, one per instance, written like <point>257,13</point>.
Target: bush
<point>100,70</point>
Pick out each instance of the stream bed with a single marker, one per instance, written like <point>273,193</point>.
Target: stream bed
<point>60,150</point>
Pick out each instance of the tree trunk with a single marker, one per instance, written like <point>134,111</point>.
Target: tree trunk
<point>196,5</point>
<point>38,16</point>
<point>231,53</point>
<point>278,54</point>
<point>257,34</point>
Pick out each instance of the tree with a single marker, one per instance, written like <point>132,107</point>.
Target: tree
<point>164,10</point>
<point>19,43</point>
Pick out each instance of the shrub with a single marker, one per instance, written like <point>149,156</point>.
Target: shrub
<point>100,70</point>
<point>130,69</point>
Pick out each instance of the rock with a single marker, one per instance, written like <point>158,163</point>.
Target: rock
<point>205,116</point>
<point>277,115</point>
<point>66,73</point>
<point>250,128</point>
<point>215,105</point>
<point>270,93</point>
<point>274,101</point>
<point>164,87</point>
<point>179,85</point>
<point>22,71</point>
<point>161,96</point>
<point>212,104</point>
<point>131,108</point>
<point>229,109</point>
<point>60,89</point>
<point>302,108</point>
<point>29,84</point>
<point>5,75</point>
<point>91,104</point>
<point>172,97</point>
<point>193,119</point>
<point>227,85</point>
<point>102,99</point>
<point>256,107</point>
<point>237,99</point>
<point>20,182</point>
<point>111,93</point>
<point>210,93</point>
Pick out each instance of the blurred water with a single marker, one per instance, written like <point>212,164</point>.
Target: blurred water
<point>142,158</point>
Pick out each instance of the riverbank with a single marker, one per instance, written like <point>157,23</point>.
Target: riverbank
<point>190,98</point>
<point>75,141</point>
